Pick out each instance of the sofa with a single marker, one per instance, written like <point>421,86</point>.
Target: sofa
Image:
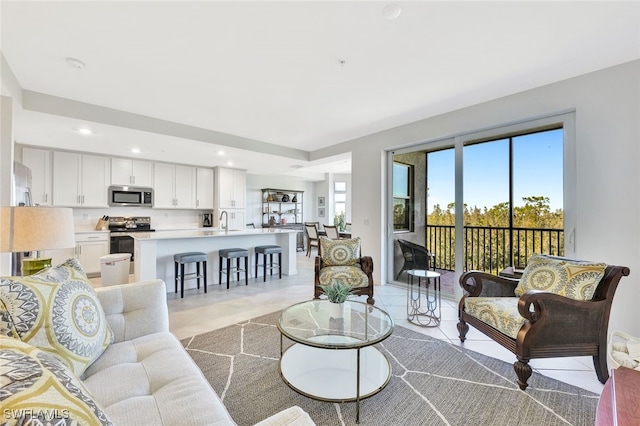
<point>124,368</point>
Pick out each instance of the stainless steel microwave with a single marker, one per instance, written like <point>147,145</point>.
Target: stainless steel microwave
<point>130,196</point>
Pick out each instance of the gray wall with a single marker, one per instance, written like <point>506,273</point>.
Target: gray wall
<point>607,110</point>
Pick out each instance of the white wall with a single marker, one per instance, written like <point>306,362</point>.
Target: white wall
<point>607,109</point>
<point>255,183</point>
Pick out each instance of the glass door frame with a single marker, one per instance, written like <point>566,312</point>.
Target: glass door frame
<point>566,120</point>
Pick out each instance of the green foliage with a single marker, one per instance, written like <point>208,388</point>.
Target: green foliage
<point>339,221</point>
<point>337,292</point>
<point>489,243</point>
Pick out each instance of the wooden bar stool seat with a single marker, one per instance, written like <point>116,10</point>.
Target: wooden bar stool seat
<point>180,259</point>
<point>269,250</point>
<point>233,253</point>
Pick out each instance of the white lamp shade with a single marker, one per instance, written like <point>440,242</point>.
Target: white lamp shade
<point>25,229</point>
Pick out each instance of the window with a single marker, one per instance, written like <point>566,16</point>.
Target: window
<point>340,198</point>
<point>402,197</point>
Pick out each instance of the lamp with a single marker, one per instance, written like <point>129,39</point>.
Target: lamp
<point>25,229</point>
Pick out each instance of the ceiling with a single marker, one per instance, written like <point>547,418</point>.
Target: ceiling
<point>270,83</point>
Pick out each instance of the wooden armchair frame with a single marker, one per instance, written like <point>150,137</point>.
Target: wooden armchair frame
<point>366,263</point>
<point>555,326</point>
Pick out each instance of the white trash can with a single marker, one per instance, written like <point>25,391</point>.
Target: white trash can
<point>114,268</point>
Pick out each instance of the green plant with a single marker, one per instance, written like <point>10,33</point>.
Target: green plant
<point>337,292</point>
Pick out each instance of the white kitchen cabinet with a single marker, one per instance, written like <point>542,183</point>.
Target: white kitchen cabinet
<point>204,188</point>
<point>174,186</point>
<point>39,162</point>
<point>126,171</point>
<point>231,188</point>
<point>90,247</point>
<point>80,180</point>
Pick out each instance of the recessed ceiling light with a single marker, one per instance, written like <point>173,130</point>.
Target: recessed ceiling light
<point>297,166</point>
<point>391,12</point>
<point>74,63</point>
<point>135,150</point>
<point>229,163</point>
<point>220,152</point>
<point>84,131</point>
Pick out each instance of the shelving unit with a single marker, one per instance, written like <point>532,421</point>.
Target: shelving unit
<point>282,208</point>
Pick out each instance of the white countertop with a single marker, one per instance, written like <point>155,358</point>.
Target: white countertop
<point>205,233</point>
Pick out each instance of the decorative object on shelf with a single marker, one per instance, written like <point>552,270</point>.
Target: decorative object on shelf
<point>269,198</point>
<point>272,221</point>
<point>295,198</point>
<point>283,220</point>
<point>285,198</point>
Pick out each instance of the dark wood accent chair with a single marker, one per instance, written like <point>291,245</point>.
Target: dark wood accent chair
<point>365,263</point>
<point>415,257</point>
<point>554,326</point>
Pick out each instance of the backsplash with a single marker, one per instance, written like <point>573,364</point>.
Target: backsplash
<point>86,219</point>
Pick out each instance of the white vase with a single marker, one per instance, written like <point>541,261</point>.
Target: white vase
<point>336,310</point>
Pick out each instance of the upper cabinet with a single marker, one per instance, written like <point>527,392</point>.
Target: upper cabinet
<point>39,161</point>
<point>80,180</point>
<point>126,171</point>
<point>174,186</point>
<point>231,185</point>
<point>204,188</point>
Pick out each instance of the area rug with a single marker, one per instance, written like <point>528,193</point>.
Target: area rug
<point>433,383</point>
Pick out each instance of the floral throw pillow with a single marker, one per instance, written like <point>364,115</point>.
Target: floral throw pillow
<point>344,252</point>
<point>58,311</point>
<point>573,279</point>
<point>37,388</point>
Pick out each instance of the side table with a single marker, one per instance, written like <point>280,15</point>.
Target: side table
<point>424,303</point>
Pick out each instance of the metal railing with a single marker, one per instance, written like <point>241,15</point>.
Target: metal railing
<point>492,249</point>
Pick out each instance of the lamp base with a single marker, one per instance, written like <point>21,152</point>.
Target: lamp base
<point>32,265</point>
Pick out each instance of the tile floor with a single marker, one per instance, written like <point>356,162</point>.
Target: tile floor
<point>198,313</point>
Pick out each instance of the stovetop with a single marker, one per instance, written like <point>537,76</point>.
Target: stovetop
<point>130,224</point>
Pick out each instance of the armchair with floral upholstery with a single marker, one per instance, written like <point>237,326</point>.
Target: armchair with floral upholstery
<point>559,307</point>
<point>340,260</point>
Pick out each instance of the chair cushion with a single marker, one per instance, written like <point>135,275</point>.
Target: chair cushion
<point>353,276</point>
<point>193,256</point>
<point>344,252</point>
<point>500,313</point>
<point>38,388</point>
<point>58,311</point>
<point>574,279</point>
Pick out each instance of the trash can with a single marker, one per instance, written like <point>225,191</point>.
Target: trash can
<point>114,268</point>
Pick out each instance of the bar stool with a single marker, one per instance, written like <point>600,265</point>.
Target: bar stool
<point>234,253</point>
<point>190,257</point>
<point>268,250</point>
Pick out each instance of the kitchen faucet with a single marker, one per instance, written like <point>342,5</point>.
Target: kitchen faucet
<point>226,215</point>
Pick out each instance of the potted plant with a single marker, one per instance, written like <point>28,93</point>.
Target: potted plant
<point>337,292</point>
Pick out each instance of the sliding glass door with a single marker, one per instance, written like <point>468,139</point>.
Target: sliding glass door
<point>484,201</point>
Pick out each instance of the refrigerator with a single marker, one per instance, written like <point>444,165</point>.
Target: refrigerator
<point>21,197</point>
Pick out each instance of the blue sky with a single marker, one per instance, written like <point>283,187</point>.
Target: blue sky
<point>537,171</point>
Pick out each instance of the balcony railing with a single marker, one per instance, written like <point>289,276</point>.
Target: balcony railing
<point>492,249</point>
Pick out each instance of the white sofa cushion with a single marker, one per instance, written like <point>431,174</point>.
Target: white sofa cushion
<point>151,380</point>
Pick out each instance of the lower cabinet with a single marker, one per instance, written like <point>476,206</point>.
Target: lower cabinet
<point>89,248</point>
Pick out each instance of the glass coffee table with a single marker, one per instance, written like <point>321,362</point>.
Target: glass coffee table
<point>334,359</point>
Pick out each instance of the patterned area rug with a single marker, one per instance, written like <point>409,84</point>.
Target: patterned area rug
<point>432,383</point>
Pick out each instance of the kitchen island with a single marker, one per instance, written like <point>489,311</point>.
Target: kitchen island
<point>154,251</point>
